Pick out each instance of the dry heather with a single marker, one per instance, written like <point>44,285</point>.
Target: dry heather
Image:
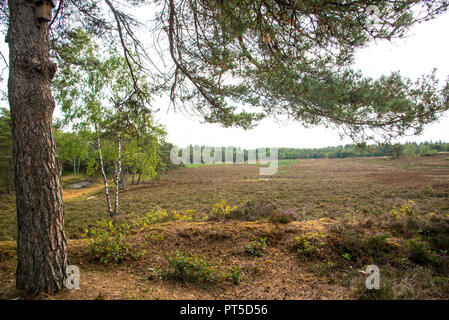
<point>327,219</point>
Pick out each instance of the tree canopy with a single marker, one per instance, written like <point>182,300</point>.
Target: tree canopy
<point>236,62</point>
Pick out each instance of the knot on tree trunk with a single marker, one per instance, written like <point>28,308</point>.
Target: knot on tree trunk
<point>43,66</point>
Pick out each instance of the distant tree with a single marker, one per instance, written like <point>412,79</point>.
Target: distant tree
<point>409,150</point>
<point>72,148</point>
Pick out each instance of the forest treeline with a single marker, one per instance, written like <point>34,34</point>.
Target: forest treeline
<point>78,153</point>
<point>409,149</point>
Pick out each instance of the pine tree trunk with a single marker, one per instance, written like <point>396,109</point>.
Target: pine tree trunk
<point>41,242</point>
<point>103,173</point>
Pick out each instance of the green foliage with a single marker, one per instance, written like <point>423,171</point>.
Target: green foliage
<point>396,151</point>
<point>310,243</point>
<point>378,248</point>
<point>253,210</point>
<point>283,217</point>
<point>188,268</point>
<point>346,256</point>
<point>419,253</point>
<point>436,231</point>
<point>97,92</point>
<point>403,210</point>
<point>409,150</point>
<point>6,163</point>
<point>256,247</point>
<point>221,211</point>
<point>108,242</point>
<point>234,275</point>
<point>290,62</point>
<point>383,293</point>
<point>160,215</point>
<point>74,150</point>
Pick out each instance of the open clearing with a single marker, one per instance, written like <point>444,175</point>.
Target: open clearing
<point>332,196</point>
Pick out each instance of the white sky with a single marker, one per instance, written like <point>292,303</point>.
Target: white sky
<point>425,48</point>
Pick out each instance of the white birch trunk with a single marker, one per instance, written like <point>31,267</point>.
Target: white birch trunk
<point>118,173</point>
<point>106,189</point>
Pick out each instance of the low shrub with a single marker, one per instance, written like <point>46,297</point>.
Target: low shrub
<point>253,210</point>
<point>310,243</point>
<point>256,247</point>
<point>188,268</point>
<point>221,211</point>
<point>405,209</point>
<point>108,242</point>
<point>378,248</point>
<point>283,217</point>
<point>383,293</point>
<point>419,253</point>
<point>160,215</point>
<point>436,231</point>
<point>234,275</point>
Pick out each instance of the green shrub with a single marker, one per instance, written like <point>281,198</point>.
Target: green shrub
<point>310,243</point>
<point>234,275</point>
<point>188,268</point>
<point>436,231</point>
<point>378,248</point>
<point>346,256</point>
<point>443,284</point>
<point>221,211</point>
<point>253,210</point>
<point>160,215</point>
<point>108,242</point>
<point>283,217</point>
<point>419,253</point>
<point>256,247</point>
<point>383,293</point>
<point>405,209</point>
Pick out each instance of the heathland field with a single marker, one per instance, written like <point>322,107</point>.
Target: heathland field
<point>211,232</point>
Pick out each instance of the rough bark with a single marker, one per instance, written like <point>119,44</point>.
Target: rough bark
<point>41,242</point>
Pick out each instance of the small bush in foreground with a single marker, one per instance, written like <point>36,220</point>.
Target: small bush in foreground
<point>234,275</point>
<point>405,209</point>
<point>283,217</point>
<point>108,242</point>
<point>310,243</point>
<point>221,211</point>
<point>256,247</point>
<point>160,215</point>
<point>253,210</point>
<point>378,248</point>
<point>383,293</point>
<point>419,253</point>
<point>188,268</point>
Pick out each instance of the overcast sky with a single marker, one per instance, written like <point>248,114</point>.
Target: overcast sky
<point>425,48</point>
